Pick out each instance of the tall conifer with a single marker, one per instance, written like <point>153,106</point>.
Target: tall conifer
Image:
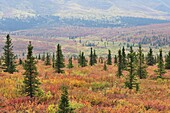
<point>59,62</point>
<point>141,70</point>
<point>31,82</point>
<point>109,58</point>
<point>167,61</point>
<point>9,57</point>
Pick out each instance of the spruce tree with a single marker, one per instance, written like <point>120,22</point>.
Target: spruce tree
<point>141,70</point>
<point>150,58</point>
<point>53,60</point>
<point>20,61</point>
<point>31,82</point>
<point>131,79</point>
<point>167,61</point>
<point>115,60</point>
<point>161,67</point>
<point>59,64</point>
<point>39,57</point>
<point>119,72</point>
<point>83,60</point>
<point>70,64</point>
<point>47,60</point>
<point>64,106</point>
<point>43,57</point>
<point>91,58</point>
<point>105,66</point>
<point>109,58</point>
<point>124,62</point>
<point>95,57</point>
<point>9,57</point>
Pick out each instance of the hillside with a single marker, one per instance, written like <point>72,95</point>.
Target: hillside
<point>86,9</point>
<point>28,14</point>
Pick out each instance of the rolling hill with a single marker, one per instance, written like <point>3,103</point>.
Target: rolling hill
<point>90,13</point>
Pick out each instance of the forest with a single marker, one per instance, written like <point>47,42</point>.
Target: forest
<point>51,82</point>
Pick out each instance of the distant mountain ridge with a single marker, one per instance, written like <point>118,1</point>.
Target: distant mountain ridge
<point>28,14</point>
<point>159,9</point>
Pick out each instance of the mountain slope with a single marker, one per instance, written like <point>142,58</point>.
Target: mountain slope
<point>86,9</point>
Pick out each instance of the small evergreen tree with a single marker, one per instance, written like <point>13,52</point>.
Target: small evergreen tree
<point>31,82</point>
<point>47,61</point>
<point>141,70</point>
<point>59,60</point>
<point>105,66</point>
<point>43,57</point>
<point>131,80</point>
<point>39,57</point>
<point>64,106</point>
<point>124,62</point>
<point>95,57</point>
<point>91,58</point>
<point>161,67</point>
<point>20,61</point>
<point>53,60</point>
<point>109,58</point>
<point>82,60</point>
<point>115,60</point>
<point>119,72</point>
<point>167,61</point>
<point>70,64</point>
<point>150,58</point>
<point>9,57</point>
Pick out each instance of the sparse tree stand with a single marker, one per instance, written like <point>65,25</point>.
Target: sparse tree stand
<point>70,64</point>
<point>161,67</point>
<point>119,72</point>
<point>47,61</point>
<point>31,82</point>
<point>59,62</point>
<point>141,70</point>
<point>64,106</point>
<point>131,79</point>
<point>150,58</point>
<point>109,58</point>
<point>82,60</point>
<point>167,61</point>
<point>9,57</point>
